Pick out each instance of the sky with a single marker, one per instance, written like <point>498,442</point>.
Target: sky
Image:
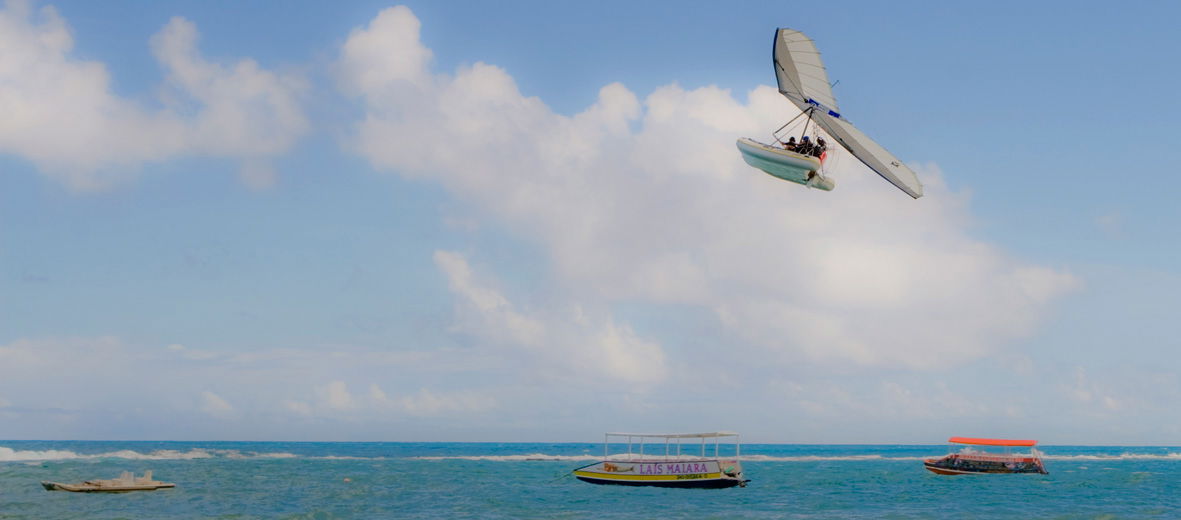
<point>527,221</point>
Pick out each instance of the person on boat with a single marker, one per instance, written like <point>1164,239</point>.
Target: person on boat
<point>790,145</point>
<point>805,146</point>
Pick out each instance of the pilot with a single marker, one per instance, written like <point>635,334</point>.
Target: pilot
<point>790,144</point>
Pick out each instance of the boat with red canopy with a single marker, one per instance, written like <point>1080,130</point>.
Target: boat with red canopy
<point>970,460</point>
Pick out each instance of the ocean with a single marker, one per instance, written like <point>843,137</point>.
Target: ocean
<point>242,480</point>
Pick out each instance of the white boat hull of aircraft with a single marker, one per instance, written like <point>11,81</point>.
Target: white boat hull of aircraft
<point>784,164</point>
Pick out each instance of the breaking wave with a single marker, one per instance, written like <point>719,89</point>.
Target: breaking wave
<point>819,458</point>
<point>588,457</point>
<point>11,455</point>
<point>515,458</point>
<point>17,455</point>
<point>799,458</point>
<point>1122,456</point>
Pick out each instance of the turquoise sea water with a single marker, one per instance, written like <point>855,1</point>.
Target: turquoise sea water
<point>515,480</point>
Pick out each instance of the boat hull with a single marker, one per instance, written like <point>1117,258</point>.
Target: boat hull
<point>784,164</point>
<point>92,488</point>
<point>705,473</point>
<point>714,483</point>
<point>943,467</point>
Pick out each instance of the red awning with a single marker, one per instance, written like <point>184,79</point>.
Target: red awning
<point>991,442</point>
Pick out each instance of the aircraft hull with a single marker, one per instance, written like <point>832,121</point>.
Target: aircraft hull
<point>783,164</point>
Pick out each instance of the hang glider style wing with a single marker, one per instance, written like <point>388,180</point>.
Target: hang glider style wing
<point>872,154</point>
<point>799,71</point>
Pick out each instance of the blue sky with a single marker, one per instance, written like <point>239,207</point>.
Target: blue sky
<point>527,221</point>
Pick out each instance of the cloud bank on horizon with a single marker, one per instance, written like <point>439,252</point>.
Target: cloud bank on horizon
<point>637,201</point>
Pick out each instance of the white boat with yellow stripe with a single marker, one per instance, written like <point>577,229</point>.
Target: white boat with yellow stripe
<point>680,460</point>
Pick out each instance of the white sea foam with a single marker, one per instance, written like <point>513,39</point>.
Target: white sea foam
<point>589,457</point>
<point>818,458</point>
<point>344,457</point>
<point>793,458</point>
<point>1122,456</point>
<point>11,455</point>
<point>515,458</point>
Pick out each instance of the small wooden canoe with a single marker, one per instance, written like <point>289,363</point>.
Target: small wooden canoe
<point>125,483</point>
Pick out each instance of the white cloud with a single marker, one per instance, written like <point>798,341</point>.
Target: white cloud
<point>61,114</point>
<point>426,402</point>
<point>1092,394</point>
<point>71,377</point>
<point>298,408</point>
<point>335,395</point>
<point>629,357</point>
<point>649,202</point>
<point>69,387</point>
<point>564,341</point>
<point>491,315</point>
<point>213,404</point>
<point>335,401</point>
<point>394,28</point>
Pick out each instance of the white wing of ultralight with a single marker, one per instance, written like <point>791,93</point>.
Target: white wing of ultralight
<point>870,153</point>
<point>800,72</point>
<point>804,81</point>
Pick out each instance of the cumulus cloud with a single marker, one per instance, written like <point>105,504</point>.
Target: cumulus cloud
<point>335,395</point>
<point>61,114</point>
<point>1090,393</point>
<point>648,201</point>
<point>552,341</point>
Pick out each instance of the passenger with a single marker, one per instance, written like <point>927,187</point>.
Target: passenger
<point>821,146</point>
<point>805,146</point>
<point>790,144</point>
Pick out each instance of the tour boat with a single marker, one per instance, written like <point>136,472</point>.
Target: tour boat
<point>970,461</point>
<point>126,482</point>
<point>668,461</point>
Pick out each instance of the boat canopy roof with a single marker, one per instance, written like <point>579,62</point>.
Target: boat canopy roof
<point>706,435</point>
<point>991,442</point>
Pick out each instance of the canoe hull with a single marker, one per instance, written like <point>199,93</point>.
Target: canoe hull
<point>92,488</point>
<point>783,164</point>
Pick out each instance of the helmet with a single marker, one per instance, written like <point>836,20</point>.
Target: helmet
<point>805,138</point>
<point>791,140</point>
